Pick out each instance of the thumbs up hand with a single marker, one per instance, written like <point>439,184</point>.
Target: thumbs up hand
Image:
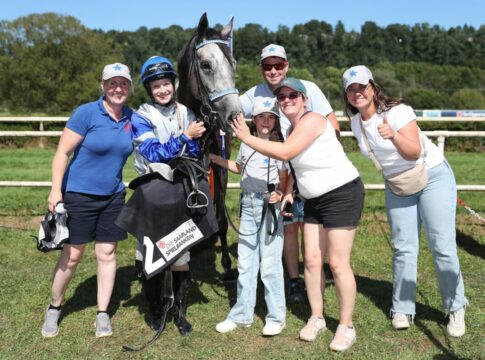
<point>385,130</point>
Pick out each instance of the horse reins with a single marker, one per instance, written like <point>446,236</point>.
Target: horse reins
<point>266,205</point>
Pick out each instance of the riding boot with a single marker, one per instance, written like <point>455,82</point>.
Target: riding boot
<point>180,290</point>
<point>153,288</point>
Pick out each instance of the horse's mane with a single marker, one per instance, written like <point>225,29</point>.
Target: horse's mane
<point>185,60</point>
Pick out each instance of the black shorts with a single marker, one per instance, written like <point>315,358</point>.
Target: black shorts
<point>92,217</point>
<point>341,207</point>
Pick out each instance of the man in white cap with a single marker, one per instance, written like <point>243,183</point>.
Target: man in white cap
<point>274,66</point>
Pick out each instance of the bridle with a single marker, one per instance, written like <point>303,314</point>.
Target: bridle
<point>205,97</point>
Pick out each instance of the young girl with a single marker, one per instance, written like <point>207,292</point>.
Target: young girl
<point>257,250</point>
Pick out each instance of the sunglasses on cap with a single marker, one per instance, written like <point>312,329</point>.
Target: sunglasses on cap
<point>292,95</point>
<point>278,66</point>
<point>154,68</point>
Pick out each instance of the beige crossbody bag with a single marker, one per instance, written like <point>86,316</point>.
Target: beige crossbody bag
<point>407,182</point>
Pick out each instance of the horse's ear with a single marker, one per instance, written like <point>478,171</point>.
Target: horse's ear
<point>203,25</point>
<point>226,30</point>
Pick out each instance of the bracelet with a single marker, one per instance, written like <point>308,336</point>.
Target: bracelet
<point>394,136</point>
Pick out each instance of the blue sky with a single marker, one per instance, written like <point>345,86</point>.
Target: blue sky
<point>130,15</point>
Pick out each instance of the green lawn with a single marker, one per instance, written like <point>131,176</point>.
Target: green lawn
<point>25,287</point>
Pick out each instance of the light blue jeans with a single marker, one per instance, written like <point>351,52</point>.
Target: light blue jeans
<point>435,207</point>
<point>255,253</point>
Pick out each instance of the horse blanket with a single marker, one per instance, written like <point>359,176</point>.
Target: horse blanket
<point>159,217</point>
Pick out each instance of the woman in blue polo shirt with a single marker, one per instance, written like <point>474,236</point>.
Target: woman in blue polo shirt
<point>98,135</point>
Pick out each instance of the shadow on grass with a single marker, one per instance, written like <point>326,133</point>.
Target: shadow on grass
<point>203,270</point>
<point>203,264</point>
<point>470,245</point>
<point>85,294</point>
<point>380,293</point>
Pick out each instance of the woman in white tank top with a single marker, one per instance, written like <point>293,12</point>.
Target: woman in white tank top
<point>334,199</point>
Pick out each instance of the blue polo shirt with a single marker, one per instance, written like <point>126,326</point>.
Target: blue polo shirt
<point>97,163</point>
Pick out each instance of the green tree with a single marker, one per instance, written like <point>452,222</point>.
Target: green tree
<point>248,75</point>
<point>51,63</point>
<point>423,99</point>
<point>248,42</point>
<point>467,99</point>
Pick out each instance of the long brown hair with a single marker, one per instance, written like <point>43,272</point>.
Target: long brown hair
<point>381,101</point>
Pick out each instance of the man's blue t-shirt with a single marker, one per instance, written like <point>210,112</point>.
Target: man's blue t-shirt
<point>97,164</point>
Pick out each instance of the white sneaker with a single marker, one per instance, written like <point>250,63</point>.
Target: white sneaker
<point>272,328</point>
<point>400,321</point>
<point>344,338</point>
<point>228,326</point>
<point>314,325</point>
<point>456,323</point>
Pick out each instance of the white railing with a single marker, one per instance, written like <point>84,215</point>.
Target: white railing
<point>441,136</point>
<point>230,186</point>
<point>340,117</point>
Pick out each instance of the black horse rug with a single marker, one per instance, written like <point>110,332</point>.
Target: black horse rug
<point>168,216</point>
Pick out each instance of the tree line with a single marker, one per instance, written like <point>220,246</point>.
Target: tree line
<point>51,63</point>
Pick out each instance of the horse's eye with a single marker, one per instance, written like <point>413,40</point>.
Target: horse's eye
<point>205,65</point>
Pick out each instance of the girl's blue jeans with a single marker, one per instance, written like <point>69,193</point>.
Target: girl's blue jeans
<point>435,208</point>
<point>259,252</point>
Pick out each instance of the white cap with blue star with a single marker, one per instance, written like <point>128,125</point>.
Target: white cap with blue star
<point>356,75</point>
<point>116,69</point>
<point>273,50</point>
<point>265,104</point>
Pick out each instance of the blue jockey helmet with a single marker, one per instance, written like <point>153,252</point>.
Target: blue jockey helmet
<point>157,67</point>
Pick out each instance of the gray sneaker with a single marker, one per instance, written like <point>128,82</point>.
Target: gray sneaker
<point>50,328</point>
<point>103,325</point>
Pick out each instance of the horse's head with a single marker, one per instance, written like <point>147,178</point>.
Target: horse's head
<point>208,75</point>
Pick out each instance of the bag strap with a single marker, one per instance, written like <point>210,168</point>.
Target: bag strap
<point>369,149</point>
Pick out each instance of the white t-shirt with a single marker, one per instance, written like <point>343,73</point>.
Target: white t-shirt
<point>254,176</point>
<point>384,150</point>
<point>317,101</point>
<point>323,166</point>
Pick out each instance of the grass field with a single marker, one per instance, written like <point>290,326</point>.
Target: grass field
<point>25,288</point>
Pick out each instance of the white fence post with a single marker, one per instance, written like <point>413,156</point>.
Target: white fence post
<point>441,143</point>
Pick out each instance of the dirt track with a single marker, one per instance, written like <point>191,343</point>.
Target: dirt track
<point>20,222</point>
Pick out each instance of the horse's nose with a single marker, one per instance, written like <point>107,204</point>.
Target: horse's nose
<point>232,116</point>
